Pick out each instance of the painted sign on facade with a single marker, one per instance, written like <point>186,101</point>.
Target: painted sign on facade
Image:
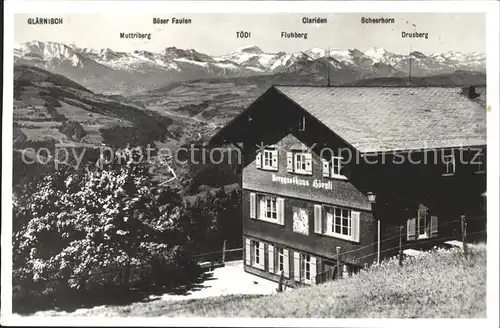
<point>300,221</point>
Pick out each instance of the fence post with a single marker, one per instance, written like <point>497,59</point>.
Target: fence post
<point>224,252</point>
<point>464,234</point>
<point>400,245</point>
<point>339,270</point>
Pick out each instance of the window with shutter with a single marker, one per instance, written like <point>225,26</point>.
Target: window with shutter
<point>257,250</point>
<point>296,266</point>
<point>355,216</point>
<point>280,260</point>
<point>270,258</point>
<point>318,222</point>
<point>326,167</point>
<point>305,268</point>
<point>247,252</point>
<point>261,251</point>
<point>253,205</point>
<point>286,263</point>
<point>268,208</point>
<point>270,159</point>
<point>303,163</point>
<point>274,160</point>
<point>336,164</point>
<point>258,160</point>
<point>281,211</point>
<point>422,224</point>
<point>411,232</point>
<point>434,226</point>
<point>308,157</point>
<point>313,270</point>
<point>289,162</point>
<point>339,223</point>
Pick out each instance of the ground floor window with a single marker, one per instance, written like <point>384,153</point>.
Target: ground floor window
<point>254,251</point>
<point>280,259</point>
<point>305,267</point>
<point>258,256</point>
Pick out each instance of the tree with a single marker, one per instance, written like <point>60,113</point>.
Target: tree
<point>78,224</point>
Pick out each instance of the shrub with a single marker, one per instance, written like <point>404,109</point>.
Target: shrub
<point>73,226</point>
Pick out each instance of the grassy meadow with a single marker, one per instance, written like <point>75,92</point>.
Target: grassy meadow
<point>440,284</point>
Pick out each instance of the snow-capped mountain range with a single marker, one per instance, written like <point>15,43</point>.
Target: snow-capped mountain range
<point>106,70</point>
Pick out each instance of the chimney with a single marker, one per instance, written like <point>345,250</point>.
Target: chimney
<point>470,92</point>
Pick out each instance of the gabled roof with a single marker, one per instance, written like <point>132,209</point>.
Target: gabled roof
<point>377,119</point>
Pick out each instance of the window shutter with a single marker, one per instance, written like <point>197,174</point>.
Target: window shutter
<point>286,264</point>
<point>261,207</point>
<point>313,270</point>
<point>281,210</point>
<point>247,251</point>
<point>258,160</point>
<point>270,250</point>
<point>434,226</point>
<point>289,162</point>
<point>326,168</point>
<point>308,157</point>
<point>318,228</point>
<point>261,253</point>
<point>410,229</point>
<point>252,205</point>
<point>274,159</point>
<point>329,222</point>
<point>355,226</point>
<point>296,266</point>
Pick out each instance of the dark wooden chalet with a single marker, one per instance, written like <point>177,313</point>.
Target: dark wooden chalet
<point>329,167</point>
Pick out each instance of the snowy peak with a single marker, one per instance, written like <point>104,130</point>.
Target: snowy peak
<point>50,52</point>
<point>250,49</point>
<point>377,53</point>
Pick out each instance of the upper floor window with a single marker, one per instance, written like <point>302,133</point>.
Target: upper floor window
<point>267,159</point>
<point>337,222</point>
<point>422,226</point>
<point>267,208</point>
<point>448,161</point>
<point>299,162</point>
<point>333,167</point>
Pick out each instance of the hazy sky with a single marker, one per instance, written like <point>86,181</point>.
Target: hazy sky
<point>215,34</point>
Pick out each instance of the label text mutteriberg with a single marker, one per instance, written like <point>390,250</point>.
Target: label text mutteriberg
<point>45,21</point>
<point>174,20</point>
<point>136,35</point>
